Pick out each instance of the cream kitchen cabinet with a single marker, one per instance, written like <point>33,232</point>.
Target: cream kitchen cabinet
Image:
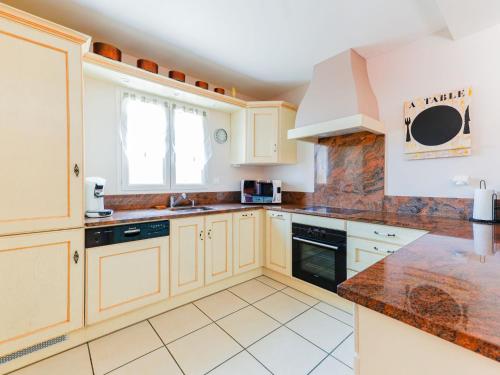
<point>218,247</point>
<point>259,134</point>
<point>125,276</point>
<point>187,237</point>
<point>40,124</point>
<point>363,253</point>
<point>279,242</point>
<point>41,287</point>
<point>247,232</point>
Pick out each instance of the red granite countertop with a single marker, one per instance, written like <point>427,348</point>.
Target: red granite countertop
<point>446,283</point>
<point>152,214</point>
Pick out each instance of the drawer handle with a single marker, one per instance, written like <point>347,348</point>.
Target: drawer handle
<point>385,251</point>
<point>76,257</point>
<point>209,234</point>
<point>384,234</point>
<point>132,232</point>
<point>201,235</point>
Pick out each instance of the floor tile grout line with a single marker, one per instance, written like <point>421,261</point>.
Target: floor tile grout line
<point>345,338</point>
<point>257,279</point>
<point>90,358</point>
<point>318,364</point>
<point>263,365</point>
<point>132,360</point>
<point>332,316</point>
<point>223,362</point>
<point>260,299</point>
<point>338,359</point>
<point>165,346</point>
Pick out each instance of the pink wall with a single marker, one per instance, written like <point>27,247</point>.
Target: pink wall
<point>427,66</point>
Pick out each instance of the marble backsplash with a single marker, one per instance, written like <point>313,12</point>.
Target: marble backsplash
<point>349,173</point>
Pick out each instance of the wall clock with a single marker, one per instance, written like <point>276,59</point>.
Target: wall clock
<point>220,135</point>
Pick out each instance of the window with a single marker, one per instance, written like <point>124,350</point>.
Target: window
<point>157,155</point>
<point>190,150</point>
<point>144,136</point>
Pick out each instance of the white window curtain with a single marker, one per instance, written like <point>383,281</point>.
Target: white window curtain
<point>144,141</point>
<point>192,145</point>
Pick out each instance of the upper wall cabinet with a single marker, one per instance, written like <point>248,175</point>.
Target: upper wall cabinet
<point>40,124</point>
<point>259,134</point>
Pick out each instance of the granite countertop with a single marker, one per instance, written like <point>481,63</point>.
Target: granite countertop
<point>446,283</point>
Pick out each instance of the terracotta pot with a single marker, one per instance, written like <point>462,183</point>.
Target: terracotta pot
<point>220,90</point>
<point>202,84</point>
<point>178,76</point>
<point>107,50</point>
<point>148,65</point>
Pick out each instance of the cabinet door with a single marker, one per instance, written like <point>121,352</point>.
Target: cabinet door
<point>41,131</point>
<point>218,247</point>
<point>247,244</point>
<point>262,135</point>
<point>186,248</point>
<point>125,276</point>
<point>279,242</point>
<point>41,287</point>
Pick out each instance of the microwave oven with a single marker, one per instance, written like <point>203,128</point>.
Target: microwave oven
<point>260,191</point>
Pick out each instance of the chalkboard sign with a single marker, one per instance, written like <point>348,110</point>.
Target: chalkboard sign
<point>438,126</point>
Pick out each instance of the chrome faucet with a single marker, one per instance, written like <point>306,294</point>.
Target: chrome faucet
<point>175,201</point>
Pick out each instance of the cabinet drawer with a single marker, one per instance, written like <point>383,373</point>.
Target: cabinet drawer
<point>323,222</point>
<point>125,276</point>
<point>361,254</point>
<point>396,235</point>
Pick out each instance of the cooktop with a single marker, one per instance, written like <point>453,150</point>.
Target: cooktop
<point>332,210</point>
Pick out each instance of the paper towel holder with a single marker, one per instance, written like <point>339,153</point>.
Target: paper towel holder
<point>494,217</point>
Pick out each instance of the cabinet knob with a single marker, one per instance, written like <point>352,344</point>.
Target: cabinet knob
<point>209,234</point>
<point>76,170</point>
<point>201,235</point>
<point>76,257</point>
<point>275,147</point>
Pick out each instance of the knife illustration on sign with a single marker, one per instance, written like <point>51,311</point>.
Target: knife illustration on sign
<point>466,121</point>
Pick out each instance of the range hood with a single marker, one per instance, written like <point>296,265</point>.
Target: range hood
<point>339,101</point>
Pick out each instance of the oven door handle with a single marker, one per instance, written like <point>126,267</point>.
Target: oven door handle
<point>315,243</point>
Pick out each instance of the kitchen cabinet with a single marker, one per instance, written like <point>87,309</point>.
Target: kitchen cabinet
<point>279,242</point>
<point>125,276</point>
<point>187,237</point>
<point>384,233</point>
<point>41,124</point>
<point>259,134</point>
<point>218,247</point>
<point>41,287</point>
<point>247,228</point>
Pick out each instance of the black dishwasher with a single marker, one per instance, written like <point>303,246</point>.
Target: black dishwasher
<point>125,233</point>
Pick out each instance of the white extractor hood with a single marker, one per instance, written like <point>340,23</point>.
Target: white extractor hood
<point>339,101</point>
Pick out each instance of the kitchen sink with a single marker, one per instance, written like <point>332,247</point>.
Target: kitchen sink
<point>190,208</point>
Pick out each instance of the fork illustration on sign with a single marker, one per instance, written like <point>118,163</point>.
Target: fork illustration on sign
<point>407,123</point>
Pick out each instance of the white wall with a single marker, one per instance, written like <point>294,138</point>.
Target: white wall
<point>429,66</point>
<point>425,67</point>
<point>102,146</point>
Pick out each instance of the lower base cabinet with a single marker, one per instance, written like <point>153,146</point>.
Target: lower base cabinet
<point>247,240</point>
<point>41,287</point>
<point>125,276</point>
<point>187,264</point>
<point>218,247</point>
<point>279,242</point>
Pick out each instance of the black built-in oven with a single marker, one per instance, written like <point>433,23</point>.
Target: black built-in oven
<point>319,255</point>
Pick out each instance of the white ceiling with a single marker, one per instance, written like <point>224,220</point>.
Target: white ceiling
<point>262,47</point>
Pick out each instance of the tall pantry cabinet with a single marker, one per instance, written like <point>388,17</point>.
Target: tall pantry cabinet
<point>41,190</point>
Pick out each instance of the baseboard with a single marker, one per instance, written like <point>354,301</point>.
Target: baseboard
<point>97,330</point>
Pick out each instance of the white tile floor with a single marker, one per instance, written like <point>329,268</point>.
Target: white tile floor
<point>257,327</point>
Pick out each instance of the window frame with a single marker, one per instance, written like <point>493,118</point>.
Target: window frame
<point>169,166</point>
<point>123,168</point>
<point>173,183</point>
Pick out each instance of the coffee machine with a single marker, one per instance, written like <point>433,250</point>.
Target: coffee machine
<point>94,197</point>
